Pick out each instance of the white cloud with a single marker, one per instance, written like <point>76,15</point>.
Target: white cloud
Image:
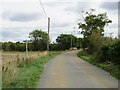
<point>20,17</point>
<point>109,5</point>
<point>112,31</point>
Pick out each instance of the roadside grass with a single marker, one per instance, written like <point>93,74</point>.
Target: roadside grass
<point>29,75</point>
<point>113,70</point>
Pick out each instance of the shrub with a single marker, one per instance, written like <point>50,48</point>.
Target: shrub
<point>114,52</point>
<point>95,41</point>
<point>110,52</point>
<point>104,53</point>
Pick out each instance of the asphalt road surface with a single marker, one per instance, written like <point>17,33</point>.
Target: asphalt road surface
<point>69,71</point>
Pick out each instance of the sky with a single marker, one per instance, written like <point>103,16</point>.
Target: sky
<point>20,17</point>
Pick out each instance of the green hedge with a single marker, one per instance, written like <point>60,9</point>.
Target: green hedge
<point>111,52</point>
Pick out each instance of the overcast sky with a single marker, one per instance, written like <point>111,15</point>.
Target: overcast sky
<point>20,17</point>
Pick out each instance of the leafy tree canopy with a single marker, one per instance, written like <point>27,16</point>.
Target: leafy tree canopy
<point>64,41</point>
<point>39,39</point>
<point>93,23</point>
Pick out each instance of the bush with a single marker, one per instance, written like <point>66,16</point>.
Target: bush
<point>114,52</point>
<point>105,53</point>
<point>53,47</point>
<point>110,52</point>
<point>96,41</point>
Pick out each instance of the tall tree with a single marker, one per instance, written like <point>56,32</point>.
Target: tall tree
<point>39,39</point>
<point>93,23</point>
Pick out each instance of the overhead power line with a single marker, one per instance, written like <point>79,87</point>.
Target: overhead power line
<point>45,12</point>
<point>43,8</point>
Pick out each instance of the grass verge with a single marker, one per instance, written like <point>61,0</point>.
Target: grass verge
<point>112,69</point>
<point>29,75</point>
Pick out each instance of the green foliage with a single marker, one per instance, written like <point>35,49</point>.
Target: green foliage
<point>39,40</point>
<point>111,52</point>
<point>64,41</point>
<point>10,46</point>
<point>104,53</point>
<point>5,46</point>
<point>95,41</point>
<point>81,43</point>
<point>20,46</point>
<point>93,23</point>
<point>53,47</point>
<point>104,50</point>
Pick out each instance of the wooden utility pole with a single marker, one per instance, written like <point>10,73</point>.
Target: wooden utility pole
<point>26,49</point>
<point>71,40</point>
<point>26,52</point>
<point>48,33</point>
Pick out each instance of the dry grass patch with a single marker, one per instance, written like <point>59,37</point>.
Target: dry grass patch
<point>13,56</point>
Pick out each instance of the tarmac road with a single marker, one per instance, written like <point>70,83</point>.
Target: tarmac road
<point>69,71</point>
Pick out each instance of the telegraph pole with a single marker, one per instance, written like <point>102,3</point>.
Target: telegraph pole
<point>71,40</point>
<point>48,33</point>
<point>26,49</point>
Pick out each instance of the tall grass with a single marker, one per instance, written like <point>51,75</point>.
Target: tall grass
<point>10,70</point>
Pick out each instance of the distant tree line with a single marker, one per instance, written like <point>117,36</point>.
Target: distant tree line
<point>38,42</point>
<point>11,46</point>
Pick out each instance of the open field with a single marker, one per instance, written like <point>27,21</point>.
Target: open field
<point>8,57</point>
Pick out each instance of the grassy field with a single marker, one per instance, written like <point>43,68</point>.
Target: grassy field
<point>110,68</point>
<point>12,56</point>
<point>24,75</point>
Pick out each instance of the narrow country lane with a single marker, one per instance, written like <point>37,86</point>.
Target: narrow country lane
<point>69,71</point>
